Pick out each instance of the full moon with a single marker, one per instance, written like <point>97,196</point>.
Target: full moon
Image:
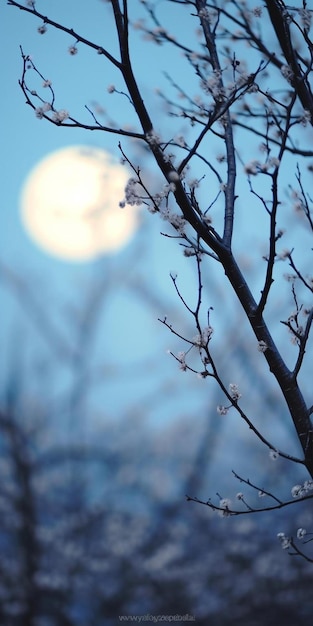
<point>70,204</point>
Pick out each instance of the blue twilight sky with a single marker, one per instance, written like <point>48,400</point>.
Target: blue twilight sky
<point>77,81</point>
<point>43,311</point>
<point>39,291</point>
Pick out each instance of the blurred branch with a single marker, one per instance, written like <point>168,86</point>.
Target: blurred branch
<point>38,315</point>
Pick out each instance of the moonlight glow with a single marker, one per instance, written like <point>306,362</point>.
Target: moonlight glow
<point>70,204</point>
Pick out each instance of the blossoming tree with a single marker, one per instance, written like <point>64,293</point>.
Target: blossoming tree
<point>234,159</point>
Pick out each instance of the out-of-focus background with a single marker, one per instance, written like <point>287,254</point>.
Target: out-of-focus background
<point>101,434</point>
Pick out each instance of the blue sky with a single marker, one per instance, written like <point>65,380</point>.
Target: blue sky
<point>78,81</point>
<point>59,286</point>
<point>37,311</point>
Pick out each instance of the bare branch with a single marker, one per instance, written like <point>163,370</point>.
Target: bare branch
<point>99,49</point>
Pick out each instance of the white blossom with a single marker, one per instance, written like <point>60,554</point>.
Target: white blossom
<point>213,86</point>
<point>234,392</point>
<point>255,167</point>
<point>252,167</point>
<point>180,141</point>
<point>189,252</point>
<point>207,219</point>
<point>273,162</point>
<point>301,532</point>
<point>131,192</point>
<point>285,541</point>
<point>204,13</point>
<point>193,183</point>
<point>297,491</point>
<point>287,72</point>
<point>308,484</point>
<point>207,333</point>
<point>273,454</point>
<point>61,115</point>
<point>152,137</point>
<point>181,357</point>
<point>225,504</point>
<point>152,209</point>
<point>178,222</point>
<point>202,339</point>
<point>173,176</point>
<point>39,112</point>
<point>222,410</point>
<point>157,199</point>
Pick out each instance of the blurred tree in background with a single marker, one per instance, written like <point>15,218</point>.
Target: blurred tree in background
<point>94,522</point>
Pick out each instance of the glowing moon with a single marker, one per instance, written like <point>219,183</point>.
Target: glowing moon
<point>70,204</point>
